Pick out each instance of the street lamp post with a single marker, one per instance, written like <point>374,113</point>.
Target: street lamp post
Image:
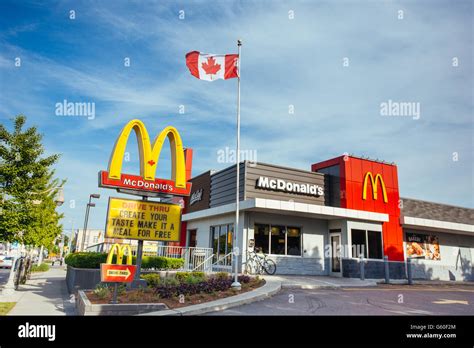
<point>69,244</point>
<point>86,220</point>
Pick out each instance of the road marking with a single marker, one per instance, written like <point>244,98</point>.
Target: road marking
<point>407,289</point>
<point>444,301</point>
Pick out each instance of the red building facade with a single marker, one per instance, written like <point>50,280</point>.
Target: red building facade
<point>370,186</point>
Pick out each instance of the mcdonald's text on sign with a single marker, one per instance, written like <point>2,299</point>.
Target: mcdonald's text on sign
<point>117,273</point>
<point>136,182</point>
<point>143,220</point>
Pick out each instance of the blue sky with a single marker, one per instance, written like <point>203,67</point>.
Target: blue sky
<point>285,62</point>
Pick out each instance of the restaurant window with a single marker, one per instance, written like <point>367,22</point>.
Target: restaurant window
<point>222,240</point>
<point>333,182</point>
<point>293,237</point>
<point>368,243</point>
<point>374,243</point>
<point>262,237</point>
<point>221,243</point>
<point>230,236</point>
<point>358,243</point>
<point>277,239</point>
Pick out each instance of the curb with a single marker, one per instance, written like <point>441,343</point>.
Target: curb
<point>269,289</point>
<point>309,287</point>
<point>322,284</point>
<point>329,286</point>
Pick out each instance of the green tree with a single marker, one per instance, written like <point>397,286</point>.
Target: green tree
<point>27,208</point>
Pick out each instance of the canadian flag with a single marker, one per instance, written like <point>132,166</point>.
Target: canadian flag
<point>212,67</point>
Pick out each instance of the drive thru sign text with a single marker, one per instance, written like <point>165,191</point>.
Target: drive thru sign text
<point>117,273</point>
<point>144,220</point>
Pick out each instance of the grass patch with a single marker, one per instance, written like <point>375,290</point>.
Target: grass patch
<point>6,307</point>
<point>41,268</point>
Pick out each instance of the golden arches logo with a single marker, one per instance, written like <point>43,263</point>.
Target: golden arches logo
<point>149,153</point>
<point>120,254</point>
<point>378,178</point>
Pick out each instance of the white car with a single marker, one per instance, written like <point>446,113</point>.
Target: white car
<point>6,261</point>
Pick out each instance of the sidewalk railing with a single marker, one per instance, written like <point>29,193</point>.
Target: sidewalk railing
<point>223,264</point>
<point>194,257</point>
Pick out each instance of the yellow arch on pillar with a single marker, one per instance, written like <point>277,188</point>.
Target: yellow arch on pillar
<point>120,253</point>
<point>374,182</point>
<point>149,154</point>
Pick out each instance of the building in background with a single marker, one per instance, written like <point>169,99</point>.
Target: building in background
<point>92,238</point>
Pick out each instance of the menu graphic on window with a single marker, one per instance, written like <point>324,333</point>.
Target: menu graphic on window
<point>423,246</point>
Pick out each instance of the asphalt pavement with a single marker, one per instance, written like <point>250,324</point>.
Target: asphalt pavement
<point>380,300</point>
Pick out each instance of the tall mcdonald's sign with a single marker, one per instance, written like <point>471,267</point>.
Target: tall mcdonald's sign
<point>378,178</point>
<point>181,162</point>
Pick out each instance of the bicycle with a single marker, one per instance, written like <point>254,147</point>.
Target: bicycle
<point>22,270</point>
<point>258,264</point>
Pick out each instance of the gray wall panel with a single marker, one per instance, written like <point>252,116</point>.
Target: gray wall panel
<point>223,186</point>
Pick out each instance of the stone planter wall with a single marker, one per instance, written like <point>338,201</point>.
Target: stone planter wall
<point>81,278</point>
<point>85,307</point>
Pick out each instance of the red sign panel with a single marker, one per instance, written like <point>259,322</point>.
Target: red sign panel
<point>117,273</point>
<point>136,182</point>
<point>380,177</point>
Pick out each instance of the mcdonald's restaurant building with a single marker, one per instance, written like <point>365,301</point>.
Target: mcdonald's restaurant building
<point>321,221</point>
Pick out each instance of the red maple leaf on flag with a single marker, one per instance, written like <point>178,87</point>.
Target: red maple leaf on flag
<point>210,67</point>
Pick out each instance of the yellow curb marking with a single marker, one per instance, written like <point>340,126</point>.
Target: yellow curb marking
<point>444,301</point>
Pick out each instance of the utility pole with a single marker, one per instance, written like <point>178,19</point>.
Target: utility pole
<point>86,220</point>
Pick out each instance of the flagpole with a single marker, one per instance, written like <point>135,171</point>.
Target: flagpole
<point>236,283</point>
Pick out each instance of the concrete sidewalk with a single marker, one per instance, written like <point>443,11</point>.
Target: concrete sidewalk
<point>318,282</point>
<point>44,294</point>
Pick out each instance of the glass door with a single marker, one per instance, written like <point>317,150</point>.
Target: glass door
<point>192,238</point>
<point>335,260</point>
<point>221,237</point>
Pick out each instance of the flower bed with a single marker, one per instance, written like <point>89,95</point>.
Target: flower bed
<point>183,289</point>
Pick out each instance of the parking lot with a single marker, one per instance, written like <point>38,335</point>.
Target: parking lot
<point>380,300</point>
